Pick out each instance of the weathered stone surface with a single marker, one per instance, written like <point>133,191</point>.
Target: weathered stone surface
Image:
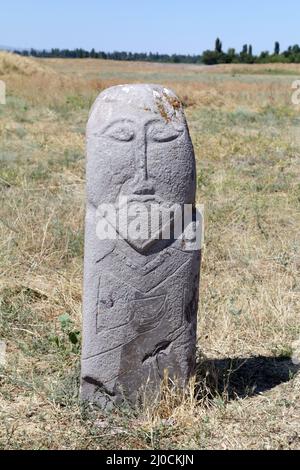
<point>140,296</point>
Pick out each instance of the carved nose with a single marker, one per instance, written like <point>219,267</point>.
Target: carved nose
<point>143,187</point>
<point>141,159</point>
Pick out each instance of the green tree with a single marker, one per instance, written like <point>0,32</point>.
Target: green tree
<point>218,47</point>
<point>245,49</point>
<point>231,56</point>
<point>264,57</point>
<point>277,48</point>
<point>210,57</point>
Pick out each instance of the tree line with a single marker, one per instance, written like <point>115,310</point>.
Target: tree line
<point>246,56</point>
<point>123,55</point>
<point>208,57</point>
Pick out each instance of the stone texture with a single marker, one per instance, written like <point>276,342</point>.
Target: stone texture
<point>140,296</point>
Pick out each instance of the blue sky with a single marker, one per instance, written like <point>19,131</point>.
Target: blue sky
<point>166,26</point>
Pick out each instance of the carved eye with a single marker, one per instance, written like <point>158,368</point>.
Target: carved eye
<point>164,133</point>
<point>120,131</point>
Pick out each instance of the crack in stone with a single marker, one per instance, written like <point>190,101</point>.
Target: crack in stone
<point>158,349</point>
<point>99,385</point>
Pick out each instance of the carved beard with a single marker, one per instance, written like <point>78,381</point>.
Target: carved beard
<point>143,220</point>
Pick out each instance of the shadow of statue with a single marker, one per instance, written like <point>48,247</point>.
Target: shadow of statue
<point>236,378</point>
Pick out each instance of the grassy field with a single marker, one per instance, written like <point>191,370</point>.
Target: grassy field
<point>245,131</point>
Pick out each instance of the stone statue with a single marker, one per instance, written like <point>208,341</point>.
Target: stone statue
<point>140,293</point>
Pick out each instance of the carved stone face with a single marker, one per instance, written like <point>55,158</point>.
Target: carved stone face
<point>138,145</point>
<point>140,295</point>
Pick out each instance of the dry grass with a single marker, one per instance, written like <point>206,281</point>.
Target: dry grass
<point>246,137</point>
